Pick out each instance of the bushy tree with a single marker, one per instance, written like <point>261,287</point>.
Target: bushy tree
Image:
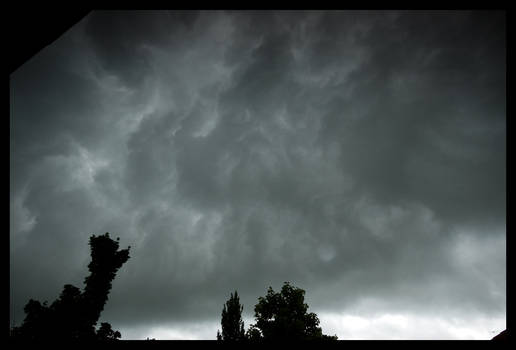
<point>231,322</point>
<point>253,333</point>
<point>74,314</point>
<point>284,316</point>
<point>106,333</point>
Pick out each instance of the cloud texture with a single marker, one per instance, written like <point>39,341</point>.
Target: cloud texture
<point>360,155</point>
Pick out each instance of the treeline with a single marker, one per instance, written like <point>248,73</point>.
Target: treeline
<point>279,316</point>
<point>74,315</point>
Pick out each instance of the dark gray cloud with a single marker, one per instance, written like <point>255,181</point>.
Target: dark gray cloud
<point>360,155</point>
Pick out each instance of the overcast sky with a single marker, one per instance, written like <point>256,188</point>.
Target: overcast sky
<point>359,155</point>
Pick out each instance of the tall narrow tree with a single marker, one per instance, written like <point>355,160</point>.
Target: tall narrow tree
<point>231,322</point>
<point>106,259</point>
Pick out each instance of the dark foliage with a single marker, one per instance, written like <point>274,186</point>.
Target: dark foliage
<point>232,324</point>
<point>279,316</point>
<point>74,315</point>
<point>284,316</point>
<point>106,333</point>
<point>253,333</point>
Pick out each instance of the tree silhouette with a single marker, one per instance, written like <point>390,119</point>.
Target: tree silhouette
<point>106,333</point>
<point>74,314</point>
<point>284,316</point>
<point>231,322</point>
<point>253,333</point>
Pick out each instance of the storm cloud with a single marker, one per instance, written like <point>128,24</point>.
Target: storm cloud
<point>360,155</point>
